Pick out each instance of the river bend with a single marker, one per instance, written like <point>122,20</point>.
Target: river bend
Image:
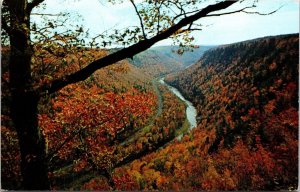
<point>191,112</point>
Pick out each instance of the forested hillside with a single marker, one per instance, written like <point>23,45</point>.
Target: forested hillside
<point>247,135</point>
<point>93,113</point>
<point>162,60</point>
<point>90,102</point>
<point>117,115</point>
<point>246,95</point>
<point>117,129</point>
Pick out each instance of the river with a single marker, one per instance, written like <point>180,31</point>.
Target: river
<point>191,112</point>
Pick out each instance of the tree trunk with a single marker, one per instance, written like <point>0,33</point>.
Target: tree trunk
<point>34,167</point>
<point>24,101</point>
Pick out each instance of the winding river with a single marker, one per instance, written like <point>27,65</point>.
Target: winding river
<point>191,111</point>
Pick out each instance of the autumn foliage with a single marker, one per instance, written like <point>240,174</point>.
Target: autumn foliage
<point>117,130</point>
<point>247,134</point>
<point>83,123</point>
<point>96,125</point>
<point>248,92</point>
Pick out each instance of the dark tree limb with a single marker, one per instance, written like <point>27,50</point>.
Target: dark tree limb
<point>33,4</point>
<point>128,52</point>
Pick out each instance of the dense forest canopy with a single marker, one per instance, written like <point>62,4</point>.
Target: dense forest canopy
<point>246,95</point>
<point>65,111</point>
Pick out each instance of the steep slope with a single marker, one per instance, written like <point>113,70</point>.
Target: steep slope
<point>162,60</point>
<point>249,90</point>
<point>247,136</point>
<point>94,126</point>
<point>94,114</point>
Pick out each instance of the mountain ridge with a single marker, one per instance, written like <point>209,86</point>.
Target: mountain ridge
<point>162,60</point>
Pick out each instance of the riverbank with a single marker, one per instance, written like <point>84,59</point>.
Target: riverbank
<point>189,123</point>
<point>191,112</point>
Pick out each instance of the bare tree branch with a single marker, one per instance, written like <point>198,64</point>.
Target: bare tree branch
<point>258,13</point>
<point>244,11</point>
<point>140,18</point>
<point>232,12</point>
<point>128,52</point>
<point>158,17</point>
<point>47,14</point>
<point>183,14</point>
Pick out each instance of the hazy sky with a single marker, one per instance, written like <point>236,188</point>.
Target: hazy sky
<point>99,15</point>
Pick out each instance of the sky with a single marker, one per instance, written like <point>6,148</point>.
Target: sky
<point>99,15</point>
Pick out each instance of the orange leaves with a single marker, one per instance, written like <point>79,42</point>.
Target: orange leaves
<point>253,112</point>
<point>270,106</point>
<point>229,180</point>
<point>243,167</point>
<point>211,178</point>
<point>162,183</point>
<point>139,146</point>
<point>256,93</point>
<point>10,155</point>
<point>124,182</point>
<point>5,77</point>
<point>85,119</point>
<point>291,87</point>
<point>168,165</point>
<point>246,104</point>
<point>244,118</point>
<point>229,121</point>
<point>91,110</point>
<point>273,66</point>
<point>97,184</point>
<point>229,169</point>
<point>79,165</point>
<point>151,175</point>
